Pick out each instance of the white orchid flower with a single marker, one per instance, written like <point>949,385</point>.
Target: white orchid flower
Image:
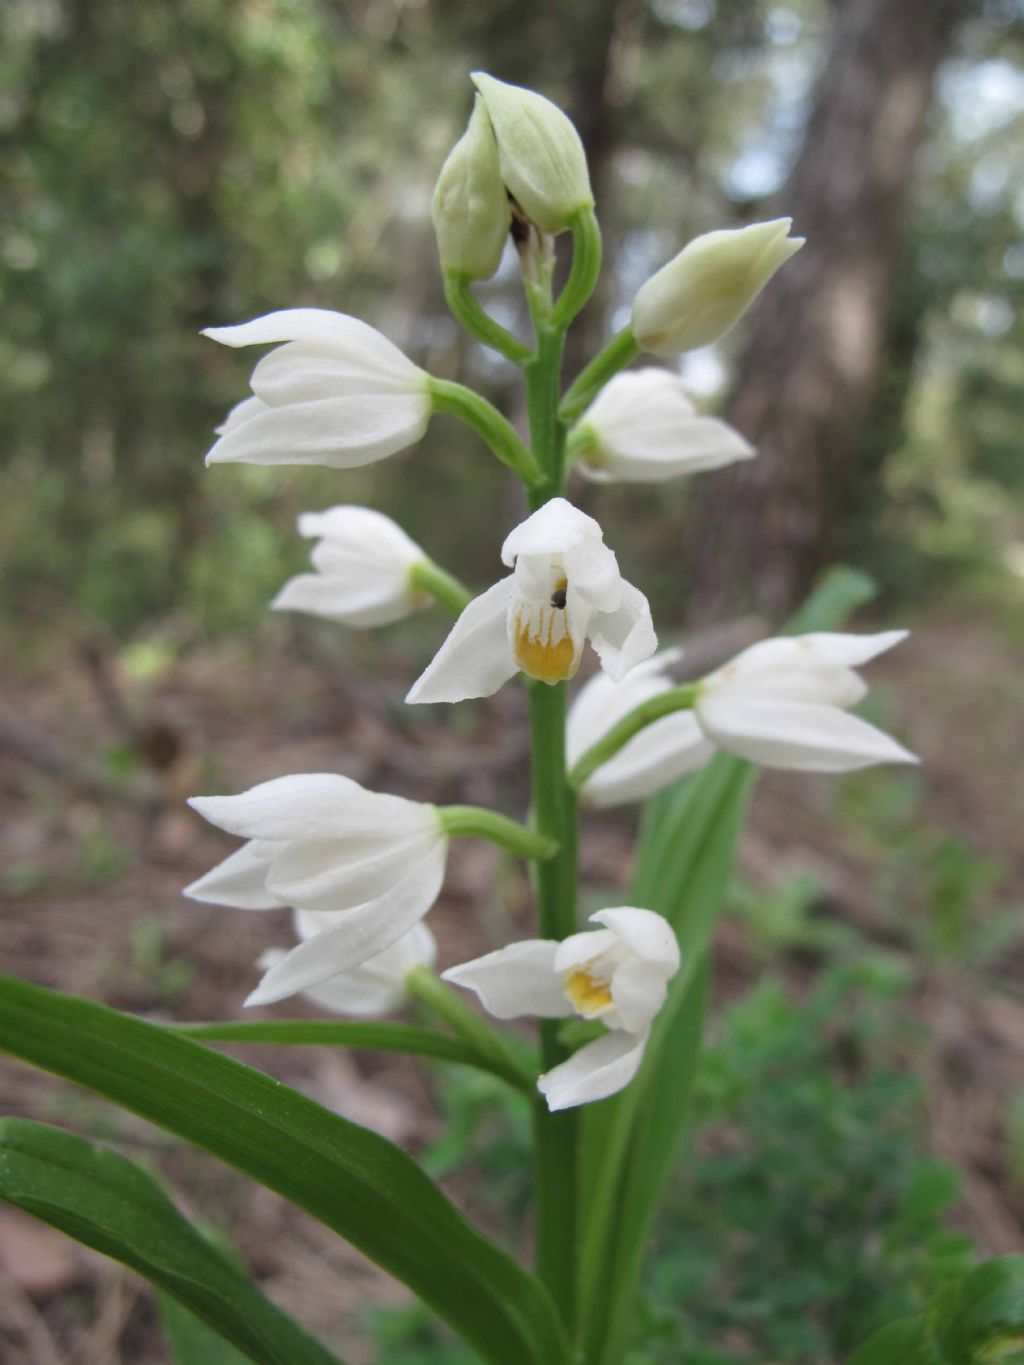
<point>707,288</point>
<point>618,974</point>
<point>565,588</point>
<point>784,702</point>
<point>643,428</point>
<point>375,987</point>
<point>659,754</point>
<point>368,865</point>
<point>363,562</point>
<point>336,393</point>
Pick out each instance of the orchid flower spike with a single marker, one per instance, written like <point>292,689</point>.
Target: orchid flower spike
<point>659,754</point>
<point>642,428</point>
<point>707,288</point>
<point>368,866</point>
<point>374,988</point>
<point>783,703</point>
<point>363,564</point>
<point>618,974</point>
<point>565,588</point>
<point>336,393</point>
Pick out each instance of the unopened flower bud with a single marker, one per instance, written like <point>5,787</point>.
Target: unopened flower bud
<point>699,295</point>
<point>543,165</point>
<point>470,208</point>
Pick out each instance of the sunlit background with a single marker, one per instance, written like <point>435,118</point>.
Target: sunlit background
<point>169,166</point>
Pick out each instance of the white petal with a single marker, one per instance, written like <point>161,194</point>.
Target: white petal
<point>315,806</point>
<point>593,571</point>
<point>339,599</point>
<point>239,414</point>
<point>552,529</point>
<point>342,433</point>
<point>327,875</point>
<point>850,651</point>
<point>808,737</point>
<point>645,933</point>
<point>370,537</point>
<point>579,949</point>
<point>598,1070</point>
<point>359,934</point>
<point>625,637</point>
<point>378,986</point>
<point>660,754</point>
<point>347,337</point>
<point>476,658</point>
<point>240,881</point>
<point>517,980</point>
<point>638,988</point>
<point>300,372</point>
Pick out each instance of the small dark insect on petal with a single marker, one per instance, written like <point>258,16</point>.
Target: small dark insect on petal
<point>558,598</point>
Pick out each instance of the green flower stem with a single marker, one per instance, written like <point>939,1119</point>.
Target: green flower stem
<point>678,699</point>
<point>427,987</point>
<point>556,1136</point>
<point>478,823</point>
<point>488,422</point>
<point>586,267</point>
<point>470,315</point>
<point>441,586</point>
<point>605,365</point>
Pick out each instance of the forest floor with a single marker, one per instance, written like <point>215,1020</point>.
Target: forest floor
<point>96,759</point>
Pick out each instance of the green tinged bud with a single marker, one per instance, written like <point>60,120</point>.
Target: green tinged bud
<point>470,208</point>
<point>543,165</point>
<point>697,297</point>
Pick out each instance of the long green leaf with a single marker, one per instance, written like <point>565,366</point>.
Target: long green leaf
<point>354,1181</point>
<point>105,1201</point>
<point>685,855</point>
<point>191,1341</point>
<point>377,1035</point>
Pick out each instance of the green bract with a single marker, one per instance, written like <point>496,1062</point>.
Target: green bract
<point>543,165</point>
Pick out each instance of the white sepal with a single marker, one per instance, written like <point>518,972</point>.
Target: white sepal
<point>599,1069</point>
<point>662,752</point>
<point>336,393</point>
<point>642,428</point>
<point>377,986</point>
<point>363,562</point>
<point>517,980</point>
<point>783,703</point>
<point>703,291</point>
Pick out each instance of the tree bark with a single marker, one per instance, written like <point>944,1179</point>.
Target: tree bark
<point>814,352</point>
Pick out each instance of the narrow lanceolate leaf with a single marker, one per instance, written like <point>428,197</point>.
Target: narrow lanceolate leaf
<point>376,1035</point>
<point>686,851</point>
<point>352,1180</point>
<point>191,1341</point>
<point>108,1203</point>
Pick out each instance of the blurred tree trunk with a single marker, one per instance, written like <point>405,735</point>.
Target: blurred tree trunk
<point>814,353</point>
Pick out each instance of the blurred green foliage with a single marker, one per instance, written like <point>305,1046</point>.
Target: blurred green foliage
<point>805,1214</point>
<point>167,166</point>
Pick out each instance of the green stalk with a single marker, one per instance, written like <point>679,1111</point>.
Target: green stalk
<point>556,1136</point>
<point>441,586</point>
<point>605,365</point>
<point>488,422</point>
<point>678,699</point>
<point>468,312</point>
<point>427,987</point>
<point>479,823</point>
<point>586,267</point>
